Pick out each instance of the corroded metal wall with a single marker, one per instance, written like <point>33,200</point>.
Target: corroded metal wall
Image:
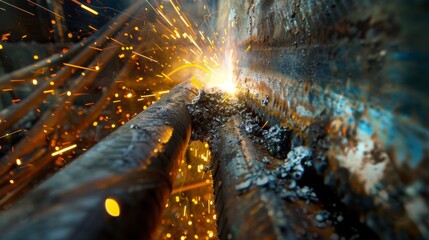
<point>351,77</point>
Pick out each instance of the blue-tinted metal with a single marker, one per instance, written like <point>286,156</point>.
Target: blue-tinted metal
<point>358,71</point>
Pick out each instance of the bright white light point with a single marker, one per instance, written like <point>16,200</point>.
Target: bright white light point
<point>228,86</point>
<point>223,78</point>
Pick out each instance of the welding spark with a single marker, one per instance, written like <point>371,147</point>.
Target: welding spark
<point>165,18</point>
<point>112,207</point>
<point>152,95</point>
<point>265,124</point>
<point>184,211</point>
<point>95,48</point>
<point>248,48</point>
<point>163,74</point>
<point>49,91</point>
<point>45,8</point>
<point>146,96</point>
<point>77,66</point>
<point>89,9</point>
<point>93,28</point>
<point>32,14</point>
<point>11,133</point>
<point>116,41</point>
<point>191,187</point>
<point>178,12</point>
<point>163,92</point>
<point>64,150</point>
<point>151,5</point>
<point>141,55</point>
<point>83,6</point>
<point>226,98</point>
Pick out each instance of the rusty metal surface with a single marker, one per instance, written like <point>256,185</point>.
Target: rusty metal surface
<point>256,198</point>
<point>135,165</point>
<point>246,216</point>
<point>351,77</point>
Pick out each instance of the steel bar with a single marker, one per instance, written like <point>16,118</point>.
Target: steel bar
<point>9,116</point>
<point>134,167</point>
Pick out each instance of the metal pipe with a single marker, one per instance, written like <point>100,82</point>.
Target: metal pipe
<point>129,175</point>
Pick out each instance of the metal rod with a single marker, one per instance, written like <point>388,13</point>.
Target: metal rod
<point>131,171</point>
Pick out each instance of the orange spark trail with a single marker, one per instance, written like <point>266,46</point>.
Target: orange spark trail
<point>95,48</point>
<point>45,9</point>
<point>64,150</point>
<point>11,133</point>
<point>77,66</point>
<point>32,14</point>
<point>180,15</point>
<point>165,18</point>
<point>141,55</point>
<point>116,41</point>
<point>89,9</point>
<point>93,28</point>
<point>85,7</point>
